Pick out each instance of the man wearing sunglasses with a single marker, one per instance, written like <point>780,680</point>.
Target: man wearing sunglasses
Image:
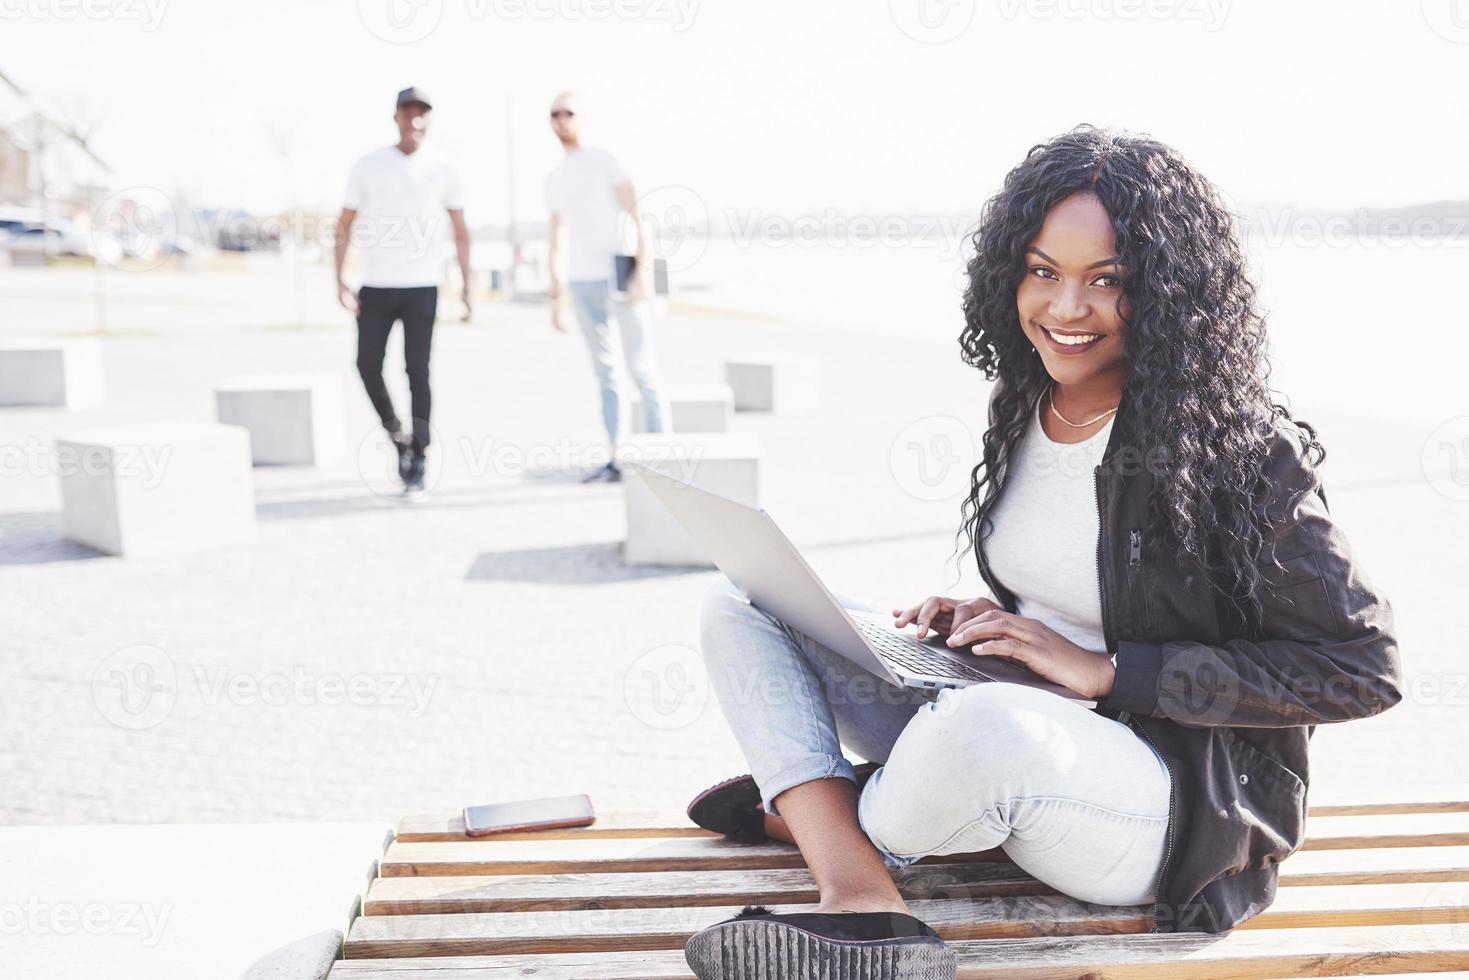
<point>588,193</point>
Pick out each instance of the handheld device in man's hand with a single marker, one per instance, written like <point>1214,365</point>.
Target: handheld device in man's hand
<point>625,266</point>
<point>555,811</point>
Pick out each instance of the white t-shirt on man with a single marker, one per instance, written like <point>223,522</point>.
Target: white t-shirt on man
<point>582,191</point>
<point>402,200</point>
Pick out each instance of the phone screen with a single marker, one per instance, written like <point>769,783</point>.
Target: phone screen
<point>562,811</point>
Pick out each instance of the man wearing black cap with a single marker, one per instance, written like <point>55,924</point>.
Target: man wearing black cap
<point>402,193</point>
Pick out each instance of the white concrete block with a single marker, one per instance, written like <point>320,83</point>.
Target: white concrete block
<point>773,381</point>
<point>689,408</point>
<point>724,463</point>
<point>64,373</point>
<point>293,419</point>
<point>199,901</point>
<point>157,488</point>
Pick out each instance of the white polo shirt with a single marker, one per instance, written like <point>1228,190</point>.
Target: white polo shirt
<point>402,200</point>
<point>582,190</point>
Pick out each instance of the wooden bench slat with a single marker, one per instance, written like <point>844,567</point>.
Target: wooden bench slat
<point>1365,808</point>
<point>1243,954</point>
<point>606,854</point>
<point>511,893</point>
<point>669,928</point>
<point>1368,865</point>
<point>1006,916</point>
<point>1449,975</point>
<point>439,827</point>
<point>482,857</point>
<point>1387,830</point>
<point>579,890</point>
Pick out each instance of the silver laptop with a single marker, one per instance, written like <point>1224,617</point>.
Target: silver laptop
<point>757,557</point>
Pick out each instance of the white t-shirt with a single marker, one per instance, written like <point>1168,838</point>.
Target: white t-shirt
<point>1044,544</point>
<point>582,190</point>
<point>402,202</point>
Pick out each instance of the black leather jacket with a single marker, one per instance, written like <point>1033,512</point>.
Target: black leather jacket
<point>1231,709</point>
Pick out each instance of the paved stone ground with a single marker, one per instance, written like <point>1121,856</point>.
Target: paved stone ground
<point>500,646</point>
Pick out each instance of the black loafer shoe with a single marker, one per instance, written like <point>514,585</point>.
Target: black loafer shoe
<point>732,808</point>
<point>759,944</point>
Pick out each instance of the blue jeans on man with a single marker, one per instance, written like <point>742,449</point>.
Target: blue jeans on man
<point>595,306</point>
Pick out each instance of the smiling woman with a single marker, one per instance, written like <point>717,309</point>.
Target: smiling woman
<point>1161,546</point>
<point>1196,552</point>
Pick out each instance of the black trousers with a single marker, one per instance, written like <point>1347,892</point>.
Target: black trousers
<point>378,308</point>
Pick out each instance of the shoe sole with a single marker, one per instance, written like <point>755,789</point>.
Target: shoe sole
<point>761,950</point>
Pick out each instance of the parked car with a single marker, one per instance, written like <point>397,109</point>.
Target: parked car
<point>52,239</point>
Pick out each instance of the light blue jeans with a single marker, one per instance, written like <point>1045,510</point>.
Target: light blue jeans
<point>593,302</point>
<point>1074,798</point>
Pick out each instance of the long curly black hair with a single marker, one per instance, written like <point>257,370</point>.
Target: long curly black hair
<point>1197,394</point>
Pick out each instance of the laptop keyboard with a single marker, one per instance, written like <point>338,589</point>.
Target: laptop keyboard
<point>914,654</point>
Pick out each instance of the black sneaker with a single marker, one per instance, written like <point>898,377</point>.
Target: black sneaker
<point>609,473</point>
<point>733,807</point>
<point>403,443</point>
<point>758,944</point>
<point>413,476</point>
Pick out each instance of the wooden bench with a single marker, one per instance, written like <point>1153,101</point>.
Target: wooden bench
<point>1379,889</point>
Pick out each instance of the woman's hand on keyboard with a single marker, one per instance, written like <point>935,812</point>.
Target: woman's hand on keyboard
<point>997,633</point>
<point>940,613</point>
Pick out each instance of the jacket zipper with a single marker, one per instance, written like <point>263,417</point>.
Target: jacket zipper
<point>1168,846</point>
<point>1134,564</point>
<point>1135,554</point>
<point>1101,536</point>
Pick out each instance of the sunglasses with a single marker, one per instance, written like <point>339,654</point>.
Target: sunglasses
<point>558,113</point>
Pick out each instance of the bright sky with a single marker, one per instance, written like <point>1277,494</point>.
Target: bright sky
<point>780,105</point>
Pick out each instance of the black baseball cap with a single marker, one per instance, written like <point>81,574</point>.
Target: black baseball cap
<point>412,95</point>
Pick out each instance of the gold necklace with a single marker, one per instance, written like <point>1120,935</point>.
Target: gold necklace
<point>1051,398</point>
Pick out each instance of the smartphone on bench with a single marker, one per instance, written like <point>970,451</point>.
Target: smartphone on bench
<point>555,811</point>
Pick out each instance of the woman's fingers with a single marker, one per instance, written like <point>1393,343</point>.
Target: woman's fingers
<point>936,614</point>
<point>991,624</point>
<point>1004,647</point>
<point>906,616</point>
<point>968,610</point>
